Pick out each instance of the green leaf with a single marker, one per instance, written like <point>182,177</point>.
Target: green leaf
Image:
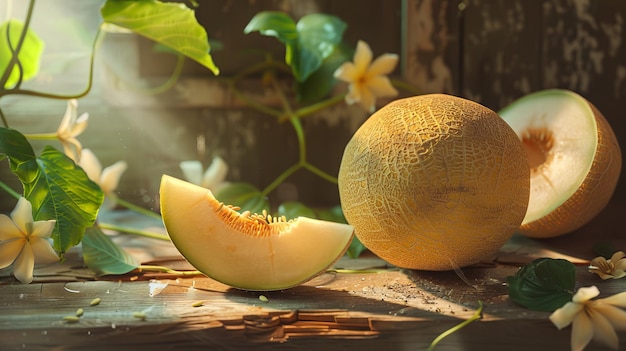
<point>55,186</point>
<point>320,83</point>
<point>22,159</point>
<point>273,24</point>
<point>29,56</point>
<point>307,43</point>
<point>294,209</point>
<point>103,256</point>
<point>333,214</point>
<point>244,195</point>
<point>64,191</point>
<point>318,34</point>
<point>171,24</point>
<point>545,284</point>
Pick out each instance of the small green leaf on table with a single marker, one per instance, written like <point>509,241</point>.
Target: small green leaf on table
<point>545,284</point>
<point>103,256</point>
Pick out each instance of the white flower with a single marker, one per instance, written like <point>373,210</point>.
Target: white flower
<point>592,319</point>
<point>613,268</point>
<point>24,242</point>
<point>212,178</point>
<point>368,80</point>
<point>71,126</point>
<point>108,179</point>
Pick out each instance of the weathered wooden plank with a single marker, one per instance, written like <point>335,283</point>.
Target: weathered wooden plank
<point>393,309</point>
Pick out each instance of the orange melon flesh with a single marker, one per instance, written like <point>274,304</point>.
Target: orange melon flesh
<point>247,252</point>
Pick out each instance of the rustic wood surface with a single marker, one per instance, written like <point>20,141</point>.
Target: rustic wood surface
<point>382,307</point>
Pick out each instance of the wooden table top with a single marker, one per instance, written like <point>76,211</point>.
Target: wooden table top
<point>379,308</point>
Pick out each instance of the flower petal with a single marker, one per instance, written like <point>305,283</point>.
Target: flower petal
<point>69,118</point>
<point>80,125</point>
<point>9,250</point>
<point>362,57</point>
<point>368,100</point>
<point>111,176</point>
<point>72,148</point>
<point>215,174</point>
<point>565,315</point>
<point>602,329</point>
<point>383,65</point>
<point>90,164</point>
<point>615,300</point>
<point>192,171</point>
<point>24,265</point>
<point>585,294</point>
<point>617,256</point>
<point>22,215</point>
<point>615,315</point>
<point>582,332</point>
<point>380,86</point>
<point>346,72</point>
<point>42,229</point>
<point>8,229</point>
<point>43,251</point>
<point>620,265</point>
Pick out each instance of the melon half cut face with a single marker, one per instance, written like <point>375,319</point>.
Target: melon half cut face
<point>574,157</point>
<point>243,250</point>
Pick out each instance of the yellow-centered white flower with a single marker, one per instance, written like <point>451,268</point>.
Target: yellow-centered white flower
<point>108,178</point>
<point>592,319</point>
<point>212,178</point>
<point>614,268</point>
<point>71,126</point>
<point>368,80</point>
<point>24,242</point>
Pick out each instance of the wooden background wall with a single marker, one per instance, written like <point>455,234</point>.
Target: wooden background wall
<point>491,51</point>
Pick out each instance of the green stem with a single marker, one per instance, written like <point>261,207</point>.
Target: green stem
<point>281,178</point>
<point>297,126</point>
<point>308,110</point>
<point>320,173</point>
<point>248,101</point>
<point>168,84</point>
<point>167,270</point>
<point>4,119</point>
<point>477,315</point>
<point>96,44</point>
<point>259,107</point>
<point>41,136</point>
<point>14,55</point>
<point>134,231</point>
<point>137,209</point>
<point>11,192</point>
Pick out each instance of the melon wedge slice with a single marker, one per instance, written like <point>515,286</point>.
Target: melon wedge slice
<point>574,157</point>
<point>248,252</point>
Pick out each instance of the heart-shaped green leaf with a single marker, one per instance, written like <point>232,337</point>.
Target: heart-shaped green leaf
<point>103,256</point>
<point>170,24</point>
<point>307,43</point>
<point>29,56</point>
<point>545,284</point>
<point>55,186</point>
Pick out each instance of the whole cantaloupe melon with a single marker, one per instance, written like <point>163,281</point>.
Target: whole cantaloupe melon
<point>434,182</point>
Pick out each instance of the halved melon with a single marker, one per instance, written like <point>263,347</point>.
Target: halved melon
<point>247,251</point>
<point>574,157</point>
